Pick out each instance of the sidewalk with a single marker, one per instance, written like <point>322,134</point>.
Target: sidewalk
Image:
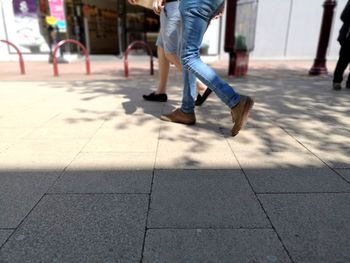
<point>88,172</point>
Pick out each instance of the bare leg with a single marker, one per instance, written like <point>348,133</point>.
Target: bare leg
<point>174,59</point>
<point>200,87</point>
<point>164,66</point>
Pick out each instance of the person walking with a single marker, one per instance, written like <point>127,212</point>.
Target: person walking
<point>167,47</point>
<point>195,18</point>
<point>344,54</point>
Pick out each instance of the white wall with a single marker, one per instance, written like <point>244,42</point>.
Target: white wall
<point>290,29</point>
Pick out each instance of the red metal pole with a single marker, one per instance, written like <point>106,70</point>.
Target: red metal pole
<point>61,43</point>
<point>130,47</point>
<point>21,61</point>
<point>319,66</point>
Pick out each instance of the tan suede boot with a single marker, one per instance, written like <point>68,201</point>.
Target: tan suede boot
<point>180,117</point>
<point>240,113</point>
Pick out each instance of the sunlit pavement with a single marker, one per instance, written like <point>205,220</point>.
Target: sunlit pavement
<point>89,173</point>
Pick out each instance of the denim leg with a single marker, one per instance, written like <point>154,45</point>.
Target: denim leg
<point>189,92</point>
<point>195,17</point>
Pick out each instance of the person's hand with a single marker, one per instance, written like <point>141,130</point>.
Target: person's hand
<point>220,12</point>
<point>133,2</point>
<point>158,6</point>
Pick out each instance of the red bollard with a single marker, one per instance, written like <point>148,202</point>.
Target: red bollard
<point>61,43</point>
<point>21,61</point>
<point>130,47</point>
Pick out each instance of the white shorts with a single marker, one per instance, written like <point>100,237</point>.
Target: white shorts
<point>170,22</point>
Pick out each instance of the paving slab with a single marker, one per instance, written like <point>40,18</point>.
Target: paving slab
<point>113,161</point>
<point>193,147</point>
<point>345,173</point>
<point>313,227</point>
<point>296,180</point>
<point>35,160</point>
<point>277,160</point>
<point>204,198</point>
<point>264,138</point>
<point>19,193</point>
<point>130,139</point>
<point>4,234</point>
<point>76,228</point>
<point>333,150</point>
<point>213,245</point>
<point>101,181</point>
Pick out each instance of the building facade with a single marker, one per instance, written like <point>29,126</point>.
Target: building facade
<point>287,29</point>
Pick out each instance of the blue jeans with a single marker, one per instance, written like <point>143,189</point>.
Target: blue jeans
<point>195,18</point>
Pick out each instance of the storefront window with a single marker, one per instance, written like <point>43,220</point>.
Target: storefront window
<point>22,26</point>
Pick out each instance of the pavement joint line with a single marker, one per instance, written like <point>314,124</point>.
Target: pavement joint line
<point>314,154</point>
<point>209,228</point>
<point>28,133</point>
<point>204,169</point>
<point>97,193</point>
<point>65,168</point>
<point>150,195</point>
<point>22,221</point>
<point>261,206</point>
<point>302,193</point>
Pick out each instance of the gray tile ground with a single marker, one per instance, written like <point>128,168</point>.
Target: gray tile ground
<point>4,234</point>
<point>102,181</point>
<point>296,180</point>
<point>19,192</point>
<point>204,198</point>
<point>313,227</point>
<point>41,122</point>
<point>81,228</point>
<point>213,245</point>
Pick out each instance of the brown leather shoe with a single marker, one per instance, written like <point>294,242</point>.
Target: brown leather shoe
<point>180,117</point>
<point>240,113</point>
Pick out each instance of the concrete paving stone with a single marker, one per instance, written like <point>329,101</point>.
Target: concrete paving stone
<point>13,160</point>
<point>4,234</point>
<point>66,126</point>
<point>131,139</point>
<point>20,191</point>
<point>168,159</point>
<point>203,198</point>
<point>48,146</point>
<point>26,119</point>
<point>4,146</point>
<point>11,135</point>
<point>313,227</point>
<point>100,181</point>
<point>345,173</point>
<point>123,161</point>
<point>277,160</point>
<point>63,133</point>
<point>296,180</point>
<point>80,228</point>
<point>334,150</point>
<point>337,158</point>
<point>213,245</point>
<point>184,147</point>
<point>123,121</point>
<point>265,139</point>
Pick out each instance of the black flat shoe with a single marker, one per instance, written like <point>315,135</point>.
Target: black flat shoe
<point>202,98</point>
<point>156,97</point>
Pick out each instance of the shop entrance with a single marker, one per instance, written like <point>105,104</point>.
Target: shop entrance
<point>103,26</point>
